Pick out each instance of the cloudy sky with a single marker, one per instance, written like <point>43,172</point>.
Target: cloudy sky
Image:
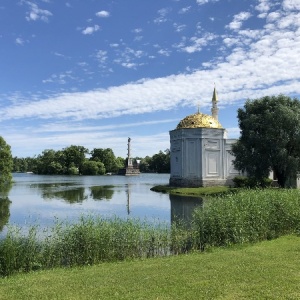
<point>93,73</point>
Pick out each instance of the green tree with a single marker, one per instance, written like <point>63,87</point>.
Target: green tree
<point>46,163</point>
<point>107,157</point>
<point>19,164</point>
<point>160,162</point>
<point>6,162</point>
<point>75,157</point>
<point>91,167</point>
<point>145,164</point>
<point>270,139</point>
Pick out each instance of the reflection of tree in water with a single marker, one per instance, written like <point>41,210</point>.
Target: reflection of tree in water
<point>4,205</point>
<point>182,207</point>
<point>71,193</point>
<point>4,212</point>
<point>74,195</point>
<point>101,192</point>
<point>66,191</point>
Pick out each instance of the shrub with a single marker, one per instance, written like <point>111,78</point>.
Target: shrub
<point>251,182</point>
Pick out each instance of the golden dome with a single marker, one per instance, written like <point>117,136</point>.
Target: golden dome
<point>199,120</point>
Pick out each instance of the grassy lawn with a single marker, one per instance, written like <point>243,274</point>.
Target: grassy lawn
<point>266,270</point>
<point>199,191</point>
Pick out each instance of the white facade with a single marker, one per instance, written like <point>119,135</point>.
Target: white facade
<point>201,157</point>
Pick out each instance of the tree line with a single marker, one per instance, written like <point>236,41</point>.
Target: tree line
<point>269,141</point>
<point>74,160</point>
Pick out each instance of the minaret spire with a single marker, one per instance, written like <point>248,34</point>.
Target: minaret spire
<point>214,108</point>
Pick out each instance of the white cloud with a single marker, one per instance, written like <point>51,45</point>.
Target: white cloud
<point>36,13</point>
<point>164,52</point>
<point>61,78</point>
<point>238,19</point>
<point>101,56</point>
<point>137,30</point>
<point>20,41</point>
<point>103,14</point>
<point>114,45</point>
<point>259,62</point>
<point>264,6</point>
<point>289,5</point>
<point>269,65</point>
<point>201,2</point>
<point>162,15</point>
<point>185,10</point>
<point>90,29</point>
<point>198,43</point>
<point>273,16</point>
<point>179,27</point>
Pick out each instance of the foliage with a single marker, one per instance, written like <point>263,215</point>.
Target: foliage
<point>251,182</point>
<point>75,157</point>
<point>111,163</point>
<point>158,163</point>
<point>145,164</point>
<point>6,163</point>
<point>91,167</point>
<point>270,139</point>
<point>72,161</point>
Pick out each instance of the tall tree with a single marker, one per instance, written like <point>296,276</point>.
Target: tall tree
<point>270,138</point>
<point>75,157</point>
<point>107,157</point>
<point>160,162</point>
<point>6,162</point>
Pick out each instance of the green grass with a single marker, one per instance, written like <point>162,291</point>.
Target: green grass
<point>199,191</point>
<point>266,270</point>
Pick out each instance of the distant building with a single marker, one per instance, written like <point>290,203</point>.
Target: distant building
<point>131,168</point>
<point>200,151</point>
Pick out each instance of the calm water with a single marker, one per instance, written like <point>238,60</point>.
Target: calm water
<point>38,199</point>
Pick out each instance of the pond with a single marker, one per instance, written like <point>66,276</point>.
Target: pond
<point>40,199</point>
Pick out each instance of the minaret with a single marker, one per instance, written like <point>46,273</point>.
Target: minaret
<point>214,109</point>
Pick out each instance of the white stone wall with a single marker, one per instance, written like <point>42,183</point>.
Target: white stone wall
<point>200,157</point>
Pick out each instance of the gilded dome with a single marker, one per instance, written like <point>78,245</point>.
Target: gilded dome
<point>199,120</point>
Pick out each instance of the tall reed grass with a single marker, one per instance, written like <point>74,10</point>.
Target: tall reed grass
<point>248,216</point>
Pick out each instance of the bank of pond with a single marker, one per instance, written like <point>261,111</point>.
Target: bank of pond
<point>248,216</point>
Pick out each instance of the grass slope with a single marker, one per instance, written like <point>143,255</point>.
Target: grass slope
<point>266,270</point>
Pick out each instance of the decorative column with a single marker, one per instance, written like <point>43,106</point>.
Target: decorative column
<point>129,163</point>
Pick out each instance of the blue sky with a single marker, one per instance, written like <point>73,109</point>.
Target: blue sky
<point>93,73</point>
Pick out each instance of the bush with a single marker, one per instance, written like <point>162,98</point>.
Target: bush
<point>251,182</point>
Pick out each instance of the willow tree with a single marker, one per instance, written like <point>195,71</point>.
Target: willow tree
<point>6,163</point>
<point>270,139</point>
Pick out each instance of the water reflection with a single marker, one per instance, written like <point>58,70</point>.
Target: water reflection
<point>72,193</point>
<point>128,199</point>
<point>4,205</point>
<point>36,199</point>
<point>182,207</point>
<point>101,192</point>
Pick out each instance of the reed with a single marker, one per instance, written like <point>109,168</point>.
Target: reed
<point>89,241</point>
<point>248,216</point>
